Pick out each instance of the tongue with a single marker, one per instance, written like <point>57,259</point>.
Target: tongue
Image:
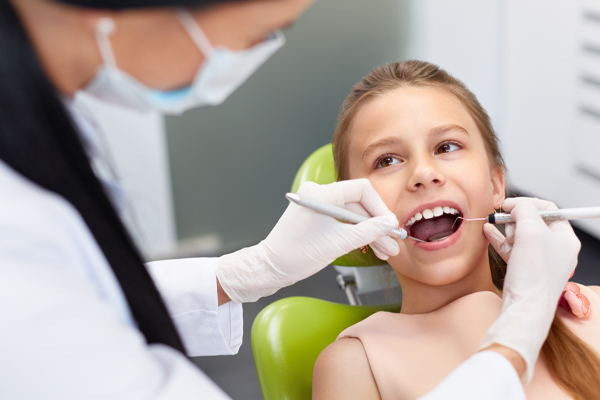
<point>432,229</point>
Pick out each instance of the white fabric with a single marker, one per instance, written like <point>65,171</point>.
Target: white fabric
<point>94,143</point>
<point>66,330</point>
<point>184,285</point>
<point>485,376</point>
<point>540,259</point>
<point>303,242</point>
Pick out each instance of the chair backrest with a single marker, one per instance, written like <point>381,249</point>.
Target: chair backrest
<point>288,336</point>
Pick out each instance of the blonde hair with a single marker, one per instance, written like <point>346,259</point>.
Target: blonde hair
<point>574,365</point>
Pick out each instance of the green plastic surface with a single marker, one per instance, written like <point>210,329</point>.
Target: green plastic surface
<point>319,167</point>
<point>288,336</point>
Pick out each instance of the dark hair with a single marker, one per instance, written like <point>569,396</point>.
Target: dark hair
<point>40,142</point>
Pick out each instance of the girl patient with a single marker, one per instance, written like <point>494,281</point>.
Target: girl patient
<point>429,149</point>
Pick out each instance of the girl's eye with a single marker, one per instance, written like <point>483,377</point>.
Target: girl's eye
<point>387,161</point>
<point>447,147</point>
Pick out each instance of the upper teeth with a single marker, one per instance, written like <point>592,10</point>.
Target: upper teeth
<point>428,214</point>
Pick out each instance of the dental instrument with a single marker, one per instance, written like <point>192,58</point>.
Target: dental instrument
<point>340,213</point>
<point>547,215</point>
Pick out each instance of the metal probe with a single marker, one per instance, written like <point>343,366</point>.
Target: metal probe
<point>340,213</point>
<point>547,215</point>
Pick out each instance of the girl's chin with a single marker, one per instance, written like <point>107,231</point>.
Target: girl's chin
<point>442,275</point>
<point>440,272</point>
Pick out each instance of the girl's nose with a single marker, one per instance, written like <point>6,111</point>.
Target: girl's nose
<point>425,175</point>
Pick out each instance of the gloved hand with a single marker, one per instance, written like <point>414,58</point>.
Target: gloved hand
<point>303,242</point>
<point>540,258</point>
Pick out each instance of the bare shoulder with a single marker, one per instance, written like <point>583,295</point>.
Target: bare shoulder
<point>595,289</point>
<point>342,371</point>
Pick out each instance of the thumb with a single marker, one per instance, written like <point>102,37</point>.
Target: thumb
<point>497,240</point>
<point>385,248</point>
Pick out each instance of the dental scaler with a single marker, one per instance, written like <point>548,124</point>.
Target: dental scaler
<point>339,213</point>
<point>547,215</point>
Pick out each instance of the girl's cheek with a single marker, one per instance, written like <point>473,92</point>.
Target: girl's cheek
<point>386,192</point>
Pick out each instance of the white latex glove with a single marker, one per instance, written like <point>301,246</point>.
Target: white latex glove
<point>303,242</point>
<point>540,258</point>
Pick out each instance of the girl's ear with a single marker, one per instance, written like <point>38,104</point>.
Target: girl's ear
<point>498,187</point>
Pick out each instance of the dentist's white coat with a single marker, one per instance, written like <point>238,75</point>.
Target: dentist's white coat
<point>66,331</point>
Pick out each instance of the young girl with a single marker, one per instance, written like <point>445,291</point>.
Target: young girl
<point>429,149</point>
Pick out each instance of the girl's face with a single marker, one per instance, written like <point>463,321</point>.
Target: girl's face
<point>421,150</point>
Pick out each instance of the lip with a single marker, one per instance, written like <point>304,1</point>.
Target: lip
<point>450,240</point>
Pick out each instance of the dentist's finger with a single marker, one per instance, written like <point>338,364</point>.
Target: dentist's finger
<point>511,202</point>
<point>519,207</point>
<point>357,208</point>
<point>562,227</point>
<point>509,231</point>
<point>368,231</point>
<point>525,210</point>
<point>358,191</point>
<point>385,248</point>
<point>362,191</point>
<point>498,241</point>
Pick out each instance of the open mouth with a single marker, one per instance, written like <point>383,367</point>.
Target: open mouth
<point>432,225</point>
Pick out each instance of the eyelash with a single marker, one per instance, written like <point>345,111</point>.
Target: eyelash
<point>382,158</point>
<point>446,143</point>
<point>385,156</point>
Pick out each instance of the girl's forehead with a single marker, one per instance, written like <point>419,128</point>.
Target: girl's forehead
<point>410,113</point>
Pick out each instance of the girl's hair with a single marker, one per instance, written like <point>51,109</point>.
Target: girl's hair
<point>39,141</point>
<point>572,362</point>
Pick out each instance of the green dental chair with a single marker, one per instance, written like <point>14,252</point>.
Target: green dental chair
<point>289,334</point>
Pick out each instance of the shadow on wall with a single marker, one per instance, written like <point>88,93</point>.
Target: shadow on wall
<point>231,165</point>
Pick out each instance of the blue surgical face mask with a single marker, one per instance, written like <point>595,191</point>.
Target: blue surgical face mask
<point>222,72</point>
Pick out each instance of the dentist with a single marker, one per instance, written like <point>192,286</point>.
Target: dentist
<point>81,316</point>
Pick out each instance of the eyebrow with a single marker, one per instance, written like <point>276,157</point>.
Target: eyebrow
<point>392,140</point>
<point>438,130</point>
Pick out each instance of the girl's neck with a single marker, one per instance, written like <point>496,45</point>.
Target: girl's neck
<point>420,298</point>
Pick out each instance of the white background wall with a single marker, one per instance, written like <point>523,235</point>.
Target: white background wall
<point>465,38</point>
